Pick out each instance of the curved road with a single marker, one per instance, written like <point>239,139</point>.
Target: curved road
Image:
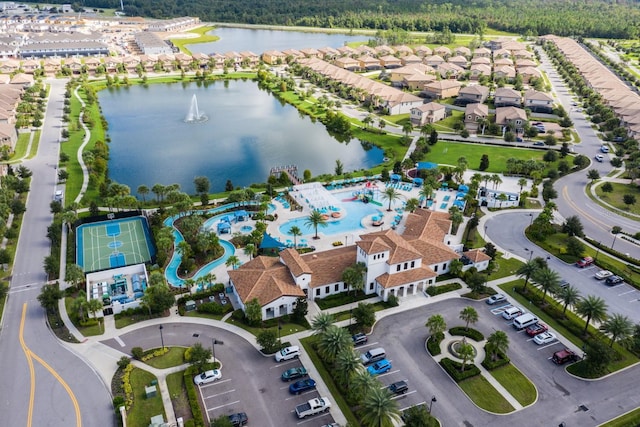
<point>43,383</point>
<point>572,198</point>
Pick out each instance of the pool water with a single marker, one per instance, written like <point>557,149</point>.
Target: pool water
<point>354,212</point>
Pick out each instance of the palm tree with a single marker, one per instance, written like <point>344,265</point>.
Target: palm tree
<point>436,324</point>
<point>569,295</point>
<point>618,326</point>
<point>547,280</point>
<point>321,322</point>
<point>333,341</point>
<point>250,250</point>
<point>496,180</point>
<point>497,342</point>
<point>592,308</point>
<point>314,220</point>
<point>465,352</point>
<point>469,315</point>
<point>426,191</point>
<point>347,364</point>
<point>522,182</point>
<point>527,270</point>
<point>143,190</point>
<point>379,409</point>
<point>233,262</point>
<point>362,382</point>
<point>295,232</point>
<point>407,128</point>
<point>391,195</point>
<point>456,217</point>
<point>412,204</point>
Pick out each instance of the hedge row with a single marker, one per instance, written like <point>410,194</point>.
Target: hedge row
<point>433,343</point>
<point>474,334</point>
<point>453,369</point>
<point>437,290</point>
<point>192,394</point>
<point>490,364</point>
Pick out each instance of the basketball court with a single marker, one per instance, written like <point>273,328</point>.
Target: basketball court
<point>113,243</point>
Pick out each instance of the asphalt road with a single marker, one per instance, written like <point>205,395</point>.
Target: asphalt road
<point>87,401</point>
<point>250,381</point>
<point>572,199</point>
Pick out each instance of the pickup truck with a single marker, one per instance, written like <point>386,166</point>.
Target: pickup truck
<point>312,407</point>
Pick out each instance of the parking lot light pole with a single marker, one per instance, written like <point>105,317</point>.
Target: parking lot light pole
<point>433,400</point>
<point>213,347</point>
<point>161,337</point>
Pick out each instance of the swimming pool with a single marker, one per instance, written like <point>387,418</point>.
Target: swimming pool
<point>354,211</point>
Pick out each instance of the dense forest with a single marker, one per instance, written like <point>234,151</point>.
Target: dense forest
<point>588,18</point>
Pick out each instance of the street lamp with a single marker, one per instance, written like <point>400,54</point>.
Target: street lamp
<point>213,347</point>
<point>485,232</point>
<point>530,253</point>
<point>433,400</point>
<point>161,337</point>
<point>531,222</point>
<point>279,329</point>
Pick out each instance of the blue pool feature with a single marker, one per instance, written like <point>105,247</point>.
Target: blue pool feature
<point>246,228</point>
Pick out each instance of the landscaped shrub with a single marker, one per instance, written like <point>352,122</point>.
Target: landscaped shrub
<point>118,401</point>
<point>340,299</point>
<point>469,333</point>
<point>210,308</point>
<point>137,352</point>
<point>192,395</point>
<point>437,290</point>
<point>453,369</point>
<point>433,343</point>
<point>490,364</point>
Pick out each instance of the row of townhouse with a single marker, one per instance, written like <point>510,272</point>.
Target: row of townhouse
<point>10,96</point>
<point>623,100</point>
<point>396,264</point>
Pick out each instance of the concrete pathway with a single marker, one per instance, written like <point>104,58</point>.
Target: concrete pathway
<point>87,137</point>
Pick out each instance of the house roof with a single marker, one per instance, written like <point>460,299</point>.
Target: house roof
<point>413,275</point>
<point>505,114</point>
<point>442,85</point>
<point>476,255</point>
<point>328,266</point>
<point>505,92</point>
<point>474,90</point>
<point>476,110</point>
<point>431,106</point>
<point>292,259</point>
<point>536,95</point>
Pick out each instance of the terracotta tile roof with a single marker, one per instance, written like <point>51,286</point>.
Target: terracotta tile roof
<point>476,255</point>
<point>328,266</point>
<point>408,276</point>
<point>292,259</point>
<point>264,278</point>
<point>399,249</point>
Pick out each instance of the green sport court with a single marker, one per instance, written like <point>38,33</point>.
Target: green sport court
<point>113,243</point>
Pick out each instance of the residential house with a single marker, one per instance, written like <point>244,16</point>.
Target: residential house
<point>397,75</point>
<point>500,62</point>
<point>523,54</point>
<point>472,94</point>
<point>292,55</point>
<point>511,119</point>
<point>482,52</point>
<point>423,51</point>
<point>441,89</point>
<point>528,73</point>
<point>417,81</point>
<point>233,58</point>
<point>347,63</point>
<point>479,70</point>
<point>450,71</point>
<point>462,51</point>
<point>474,115</point>
<point>363,49</point>
<point>433,60</point>
<point>369,63</point>
<point>501,53</point>
<point>310,53</point>
<point>347,51</point>
<point>249,58</point>
<point>410,59</point>
<point>427,114</point>
<point>505,97</point>
<point>477,60</point>
<point>459,60</point>
<point>390,61</point>
<point>384,50</point>
<point>30,66</point>
<point>538,102</point>
<point>8,66</point>
<point>202,59</point>
<point>273,57</point>
<point>328,53</point>
<point>74,64</point>
<point>442,51</point>
<point>403,50</point>
<point>504,72</point>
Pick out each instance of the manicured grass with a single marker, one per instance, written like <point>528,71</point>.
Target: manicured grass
<point>483,394</point>
<point>87,331</point>
<point>202,38</point>
<point>615,198</point>
<point>516,383</point>
<point>175,357</point>
<point>178,393</point>
<point>630,419</point>
<point>204,315</point>
<point>448,153</point>
<point>21,146</point>
<point>34,145</point>
<point>446,125</point>
<point>122,321</point>
<point>505,267</point>
<point>143,409</point>
<point>287,328</point>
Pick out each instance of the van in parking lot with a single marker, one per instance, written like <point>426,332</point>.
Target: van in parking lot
<point>511,313</point>
<point>524,321</point>
<point>373,355</point>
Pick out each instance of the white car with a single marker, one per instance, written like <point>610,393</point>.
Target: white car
<point>599,157</point>
<point>545,338</point>
<point>58,196</point>
<point>207,377</point>
<point>493,299</point>
<point>603,274</point>
<point>288,353</point>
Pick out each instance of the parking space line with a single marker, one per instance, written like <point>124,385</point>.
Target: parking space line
<point>389,373</point>
<point>368,344</point>
<point>549,345</point>
<point>417,404</point>
<point>628,292</point>
<point>405,394</point>
<point>220,394</point>
<point>294,396</point>
<point>314,418</point>
<point>215,383</point>
<point>288,362</point>
<point>222,406</point>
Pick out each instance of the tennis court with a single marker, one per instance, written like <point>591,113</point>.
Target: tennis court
<point>113,243</point>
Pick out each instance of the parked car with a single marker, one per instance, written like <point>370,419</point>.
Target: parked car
<point>207,377</point>
<point>536,329</point>
<point>359,339</point>
<point>302,386</point>
<point>539,143</point>
<point>599,157</point>
<point>511,313</point>
<point>604,149</point>
<point>519,139</point>
<point>288,353</point>
<point>238,419</point>
<point>58,196</point>
<point>614,280</point>
<point>545,338</point>
<point>563,284</point>
<point>399,387</point>
<point>379,367</point>
<point>585,262</point>
<point>494,299</point>
<point>294,374</point>
<point>603,274</point>
<point>564,356</point>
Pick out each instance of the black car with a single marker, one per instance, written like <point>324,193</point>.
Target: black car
<point>399,387</point>
<point>238,419</point>
<point>359,339</point>
<point>613,280</point>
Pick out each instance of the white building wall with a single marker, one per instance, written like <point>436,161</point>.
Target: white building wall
<point>278,308</point>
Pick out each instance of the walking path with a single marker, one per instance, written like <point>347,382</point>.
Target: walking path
<point>87,137</point>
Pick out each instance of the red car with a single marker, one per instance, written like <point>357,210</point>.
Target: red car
<point>563,356</point>
<point>536,329</point>
<point>585,262</point>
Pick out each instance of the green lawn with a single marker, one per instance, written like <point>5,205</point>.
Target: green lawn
<point>615,198</point>
<point>630,419</point>
<point>21,146</point>
<point>448,153</point>
<point>174,357</point>
<point>202,38</point>
<point>178,393</point>
<point>505,267</point>
<point>143,409</point>
<point>287,328</point>
<point>34,145</point>
<point>516,383</point>
<point>483,394</point>
<point>87,331</point>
